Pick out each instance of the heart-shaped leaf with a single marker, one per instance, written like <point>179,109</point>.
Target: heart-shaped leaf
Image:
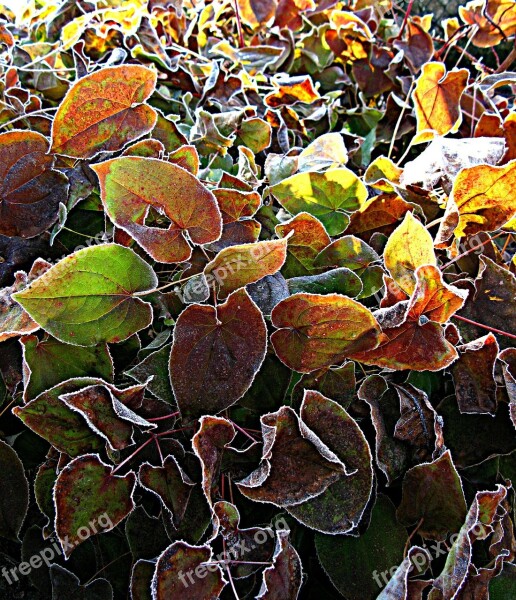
<point>88,297</point>
<point>103,111</point>
<point>105,500</point>
<point>131,186</point>
<point>214,359</point>
<point>30,189</point>
<point>329,196</point>
<point>317,331</point>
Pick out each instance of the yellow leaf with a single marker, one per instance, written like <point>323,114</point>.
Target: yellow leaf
<point>410,246</point>
<point>485,197</point>
<point>436,99</point>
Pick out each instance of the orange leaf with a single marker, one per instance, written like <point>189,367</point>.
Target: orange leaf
<point>103,111</point>
<point>492,21</point>
<point>484,196</point>
<point>436,99</point>
<point>317,331</point>
<point>299,89</point>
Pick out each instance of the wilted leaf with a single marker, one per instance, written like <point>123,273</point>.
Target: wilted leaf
<point>340,508</point>
<point>316,331</point>
<point>30,188</point>
<point>409,246</point>
<point>508,360</point>
<point>296,465</point>
<point>284,577</point>
<point>216,354</point>
<point>473,376</point>
<point>181,572</point>
<point>170,484</point>
<point>436,100</point>
<point>413,337</point>
<point>49,362</point>
<point>88,297</point>
<point>484,197</point>
<point>14,500</point>
<point>105,500</point>
<point>329,196</point>
<point>399,585</point>
<point>106,415</point>
<point>132,186</point>
<point>432,494</point>
<point>49,417</point>
<point>103,111</point>
<point>236,266</point>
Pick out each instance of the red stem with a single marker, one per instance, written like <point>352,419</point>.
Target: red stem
<point>241,42</point>
<point>405,19</point>
<point>492,329</point>
<point>165,417</point>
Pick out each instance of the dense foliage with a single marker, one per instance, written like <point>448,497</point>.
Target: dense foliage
<point>257,319</point>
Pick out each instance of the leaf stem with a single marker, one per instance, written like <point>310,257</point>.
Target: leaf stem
<point>164,417</point>
<point>241,42</point>
<point>163,287</point>
<point>405,19</point>
<point>491,329</point>
<point>471,250</point>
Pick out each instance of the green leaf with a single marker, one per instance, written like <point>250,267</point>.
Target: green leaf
<point>88,297</point>
<point>329,196</point>
<point>14,499</point>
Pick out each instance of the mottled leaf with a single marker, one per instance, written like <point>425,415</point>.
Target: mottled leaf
<point>214,358</point>
<point>105,500</point>
<point>131,187</point>
<point>336,281</point>
<point>316,331</point>
<point>103,111</point>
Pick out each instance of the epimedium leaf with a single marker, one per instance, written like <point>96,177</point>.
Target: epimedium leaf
<point>30,189</point>
<point>104,110</point>
<point>296,465</point>
<point>181,572</point>
<point>236,204</point>
<point>400,586</point>
<point>351,563</point>
<point>408,247</point>
<point>329,196</point>
<point>436,99</point>
<point>432,493</point>
<point>49,362</point>
<point>209,443</point>
<point>170,484</point>
<point>315,331</point>
<point>66,585</point>
<point>337,383</point>
<point>132,186</point>
<point>283,579</point>
<point>484,197</point>
<point>236,266</point>
<point>391,454</point>
<point>106,414</point>
<point>103,495</point>
<point>14,500</point>
<point>308,239</point>
<point>340,508</point>
<point>412,334</point>
<point>473,376</point>
<point>49,417</point>
<point>482,515</point>
<point>267,292</point>
<point>154,371</point>
<point>87,298</point>
<point>336,281</point>
<point>216,354</point>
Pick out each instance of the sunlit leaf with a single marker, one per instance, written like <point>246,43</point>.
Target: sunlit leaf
<point>436,100</point>
<point>104,110</point>
<point>316,331</point>
<point>88,297</point>
<point>329,196</point>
